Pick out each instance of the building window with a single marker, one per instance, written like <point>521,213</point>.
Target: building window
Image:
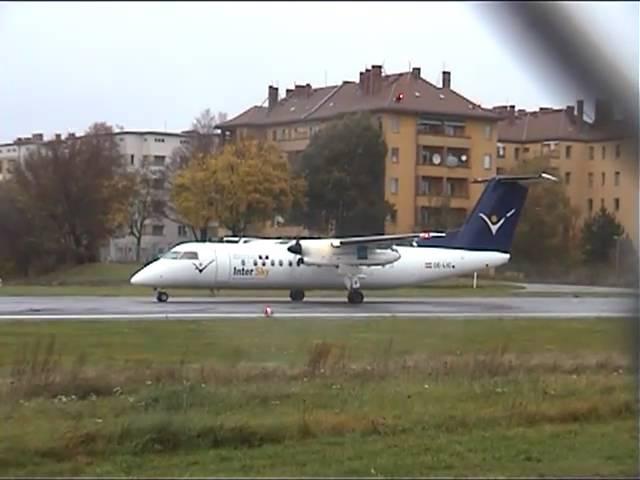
<point>602,203</point>
<point>567,151</point>
<point>274,134</point>
<point>487,161</point>
<point>157,183</point>
<point>602,176</point>
<point>618,150</point>
<point>590,180</point>
<point>616,179</point>
<point>616,204</point>
<point>157,230</point>
<point>567,178</point>
<point>133,159</point>
<point>158,140</point>
<point>1,164</point>
<point>395,124</point>
<point>392,217</point>
<point>592,153</point>
<point>395,154</point>
<point>393,185</point>
<point>516,153</point>
<point>182,231</point>
<point>499,171</point>
<point>525,150</point>
<point>604,152</point>
<point>158,160</point>
<point>500,151</point>
<point>487,132</point>
<point>589,205</point>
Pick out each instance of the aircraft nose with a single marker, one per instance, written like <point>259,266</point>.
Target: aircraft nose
<point>143,277</point>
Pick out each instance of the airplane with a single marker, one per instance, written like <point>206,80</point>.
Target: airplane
<point>354,263</point>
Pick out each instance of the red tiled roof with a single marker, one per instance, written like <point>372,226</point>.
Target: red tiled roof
<point>552,124</point>
<point>307,104</point>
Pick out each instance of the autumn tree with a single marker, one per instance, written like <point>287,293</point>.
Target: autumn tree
<point>544,233</point>
<point>193,196</point>
<point>344,168</point>
<point>253,184</point>
<point>600,234</point>
<point>73,188</point>
<point>201,142</point>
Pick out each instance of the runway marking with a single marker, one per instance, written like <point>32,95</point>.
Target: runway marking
<point>186,316</point>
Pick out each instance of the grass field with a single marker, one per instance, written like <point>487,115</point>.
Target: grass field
<point>113,280</point>
<point>303,397</point>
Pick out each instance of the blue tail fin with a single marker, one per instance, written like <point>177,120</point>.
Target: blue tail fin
<point>491,225</point>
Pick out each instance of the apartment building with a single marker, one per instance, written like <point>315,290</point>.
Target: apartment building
<point>597,160</point>
<point>153,148</point>
<point>437,139</point>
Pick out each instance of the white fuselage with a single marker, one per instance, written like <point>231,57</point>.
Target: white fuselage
<point>268,264</point>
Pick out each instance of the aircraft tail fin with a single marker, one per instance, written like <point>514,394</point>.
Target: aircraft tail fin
<point>491,225</point>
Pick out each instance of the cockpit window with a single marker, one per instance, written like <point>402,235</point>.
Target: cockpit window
<point>181,255</point>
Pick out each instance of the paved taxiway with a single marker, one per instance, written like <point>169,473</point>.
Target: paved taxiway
<point>134,307</point>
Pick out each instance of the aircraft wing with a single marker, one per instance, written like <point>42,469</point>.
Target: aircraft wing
<point>379,239</point>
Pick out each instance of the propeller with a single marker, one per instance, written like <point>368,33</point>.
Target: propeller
<point>296,248</point>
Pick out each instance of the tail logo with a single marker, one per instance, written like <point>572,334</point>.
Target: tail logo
<point>493,224</point>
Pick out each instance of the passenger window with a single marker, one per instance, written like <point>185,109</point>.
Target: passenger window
<point>273,263</point>
<point>171,255</point>
<point>280,263</point>
<point>290,263</point>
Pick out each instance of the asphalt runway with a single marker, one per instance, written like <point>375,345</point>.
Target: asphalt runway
<point>46,308</point>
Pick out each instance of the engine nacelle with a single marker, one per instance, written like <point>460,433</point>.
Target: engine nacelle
<point>323,253</point>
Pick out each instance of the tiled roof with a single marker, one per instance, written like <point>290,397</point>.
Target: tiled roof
<point>308,104</point>
<point>553,124</point>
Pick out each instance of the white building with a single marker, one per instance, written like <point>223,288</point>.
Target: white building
<point>153,147</point>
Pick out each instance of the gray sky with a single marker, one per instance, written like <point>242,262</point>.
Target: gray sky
<point>157,65</point>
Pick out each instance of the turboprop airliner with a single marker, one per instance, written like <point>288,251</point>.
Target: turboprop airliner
<point>354,263</point>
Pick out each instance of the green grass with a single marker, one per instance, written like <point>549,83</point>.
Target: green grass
<point>318,397</point>
<point>113,280</point>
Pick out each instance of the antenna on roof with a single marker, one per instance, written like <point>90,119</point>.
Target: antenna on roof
<point>325,78</point>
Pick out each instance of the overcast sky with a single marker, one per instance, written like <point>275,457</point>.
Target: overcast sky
<point>157,65</point>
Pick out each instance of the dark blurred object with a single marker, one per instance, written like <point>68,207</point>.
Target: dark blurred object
<point>552,38</point>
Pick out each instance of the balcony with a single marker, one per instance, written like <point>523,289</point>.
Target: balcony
<point>448,157</point>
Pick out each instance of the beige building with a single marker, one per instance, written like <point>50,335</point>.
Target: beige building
<point>437,139</point>
<point>597,161</point>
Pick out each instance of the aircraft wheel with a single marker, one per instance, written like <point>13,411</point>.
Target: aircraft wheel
<point>296,295</point>
<point>355,297</point>
<point>162,297</point>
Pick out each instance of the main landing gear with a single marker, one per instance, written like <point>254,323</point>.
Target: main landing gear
<point>296,295</point>
<point>355,297</point>
<point>161,296</point>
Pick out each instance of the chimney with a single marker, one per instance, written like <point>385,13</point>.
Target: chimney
<point>602,112</point>
<point>580,110</point>
<point>446,79</point>
<point>415,72</point>
<point>570,111</point>
<point>308,89</point>
<point>367,81</point>
<point>71,135</point>
<point>376,78</point>
<point>273,97</point>
<point>289,92</point>
<point>58,137</point>
<point>36,137</point>
<point>361,82</point>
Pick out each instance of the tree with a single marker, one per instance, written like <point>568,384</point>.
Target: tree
<point>344,168</point>
<point>253,184</point>
<point>192,196</point>
<point>544,234</point>
<point>202,142</point>
<point>146,201</point>
<point>600,234</point>
<point>74,192</point>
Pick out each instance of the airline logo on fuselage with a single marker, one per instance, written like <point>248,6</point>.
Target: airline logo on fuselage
<point>493,223</point>
<point>245,272</point>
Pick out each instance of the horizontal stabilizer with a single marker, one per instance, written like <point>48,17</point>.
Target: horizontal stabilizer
<point>518,178</point>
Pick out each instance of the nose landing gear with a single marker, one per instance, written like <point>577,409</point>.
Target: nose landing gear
<point>296,295</point>
<point>161,296</point>
<point>355,297</point>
